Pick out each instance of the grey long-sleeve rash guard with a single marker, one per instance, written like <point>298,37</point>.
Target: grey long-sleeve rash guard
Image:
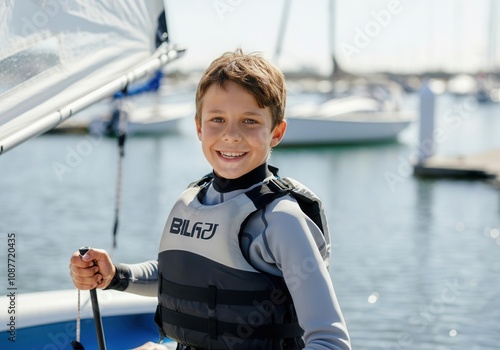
<point>283,241</point>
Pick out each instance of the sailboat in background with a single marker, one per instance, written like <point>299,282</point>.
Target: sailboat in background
<point>350,119</point>
<point>58,58</point>
<point>364,110</point>
<point>487,82</point>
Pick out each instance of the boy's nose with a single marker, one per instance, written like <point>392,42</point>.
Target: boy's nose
<point>232,133</point>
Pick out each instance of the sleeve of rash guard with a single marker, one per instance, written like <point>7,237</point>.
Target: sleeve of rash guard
<point>139,278</point>
<point>290,243</point>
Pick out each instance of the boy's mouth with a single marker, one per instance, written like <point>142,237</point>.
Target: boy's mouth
<point>230,155</point>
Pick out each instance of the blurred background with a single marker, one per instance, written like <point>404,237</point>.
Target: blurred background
<point>398,37</point>
<point>415,259</point>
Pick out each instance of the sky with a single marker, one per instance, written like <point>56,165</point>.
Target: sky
<point>369,35</point>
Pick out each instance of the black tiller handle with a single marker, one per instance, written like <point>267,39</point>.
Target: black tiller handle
<point>95,310</point>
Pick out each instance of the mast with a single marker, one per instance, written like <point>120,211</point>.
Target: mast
<point>337,72</point>
<point>492,37</point>
<point>331,36</point>
<point>282,30</point>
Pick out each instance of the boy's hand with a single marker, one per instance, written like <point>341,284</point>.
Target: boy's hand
<point>94,270</point>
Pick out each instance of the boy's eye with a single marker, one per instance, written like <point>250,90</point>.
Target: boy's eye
<point>217,119</point>
<point>250,121</point>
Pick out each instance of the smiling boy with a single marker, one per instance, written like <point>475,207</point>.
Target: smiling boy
<point>235,133</point>
<point>241,265</point>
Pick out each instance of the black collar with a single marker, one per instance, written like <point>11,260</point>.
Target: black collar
<point>257,175</point>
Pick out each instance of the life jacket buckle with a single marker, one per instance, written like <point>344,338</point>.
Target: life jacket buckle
<point>280,185</point>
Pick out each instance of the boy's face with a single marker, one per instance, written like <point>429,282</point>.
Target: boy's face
<point>235,133</point>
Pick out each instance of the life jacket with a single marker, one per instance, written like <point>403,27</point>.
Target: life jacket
<point>210,296</point>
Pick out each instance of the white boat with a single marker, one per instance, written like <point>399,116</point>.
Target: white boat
<point>47,320</point>
<point>58,58</point>
<point>152,114</point>
<point>353,119</point>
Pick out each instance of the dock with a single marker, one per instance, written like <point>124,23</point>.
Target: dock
<point>480,166</point>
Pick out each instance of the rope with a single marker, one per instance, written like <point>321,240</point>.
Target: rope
<point>121,137</point>
<point>75,344</point>
<point>78,318</point>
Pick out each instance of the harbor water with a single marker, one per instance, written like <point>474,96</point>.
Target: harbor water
<point>415,262</point>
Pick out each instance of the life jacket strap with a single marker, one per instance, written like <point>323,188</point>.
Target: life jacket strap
<point>211,297</point>
<point>268,192</point>
<point>204,325</point>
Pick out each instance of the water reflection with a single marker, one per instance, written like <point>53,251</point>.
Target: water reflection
<point>424,222</point>
<point>415,266</point>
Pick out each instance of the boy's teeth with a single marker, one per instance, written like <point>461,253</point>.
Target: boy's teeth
<point>231,155</point>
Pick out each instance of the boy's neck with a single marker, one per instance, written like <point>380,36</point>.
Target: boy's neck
<point>255,176</point>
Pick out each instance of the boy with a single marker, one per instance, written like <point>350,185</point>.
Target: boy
<point>236,270</point>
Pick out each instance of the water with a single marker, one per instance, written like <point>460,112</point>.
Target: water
<point>415,262</point>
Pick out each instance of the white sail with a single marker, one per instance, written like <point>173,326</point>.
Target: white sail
<point>60,56</point>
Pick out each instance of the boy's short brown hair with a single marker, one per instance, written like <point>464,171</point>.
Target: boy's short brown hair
<point>252,72</point>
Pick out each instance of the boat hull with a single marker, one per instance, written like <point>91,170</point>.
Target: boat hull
<point>47,320</point>
<point>371,127</point>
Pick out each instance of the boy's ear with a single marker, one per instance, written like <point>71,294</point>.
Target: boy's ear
<point>198,129</point>
<point>278,133</point>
